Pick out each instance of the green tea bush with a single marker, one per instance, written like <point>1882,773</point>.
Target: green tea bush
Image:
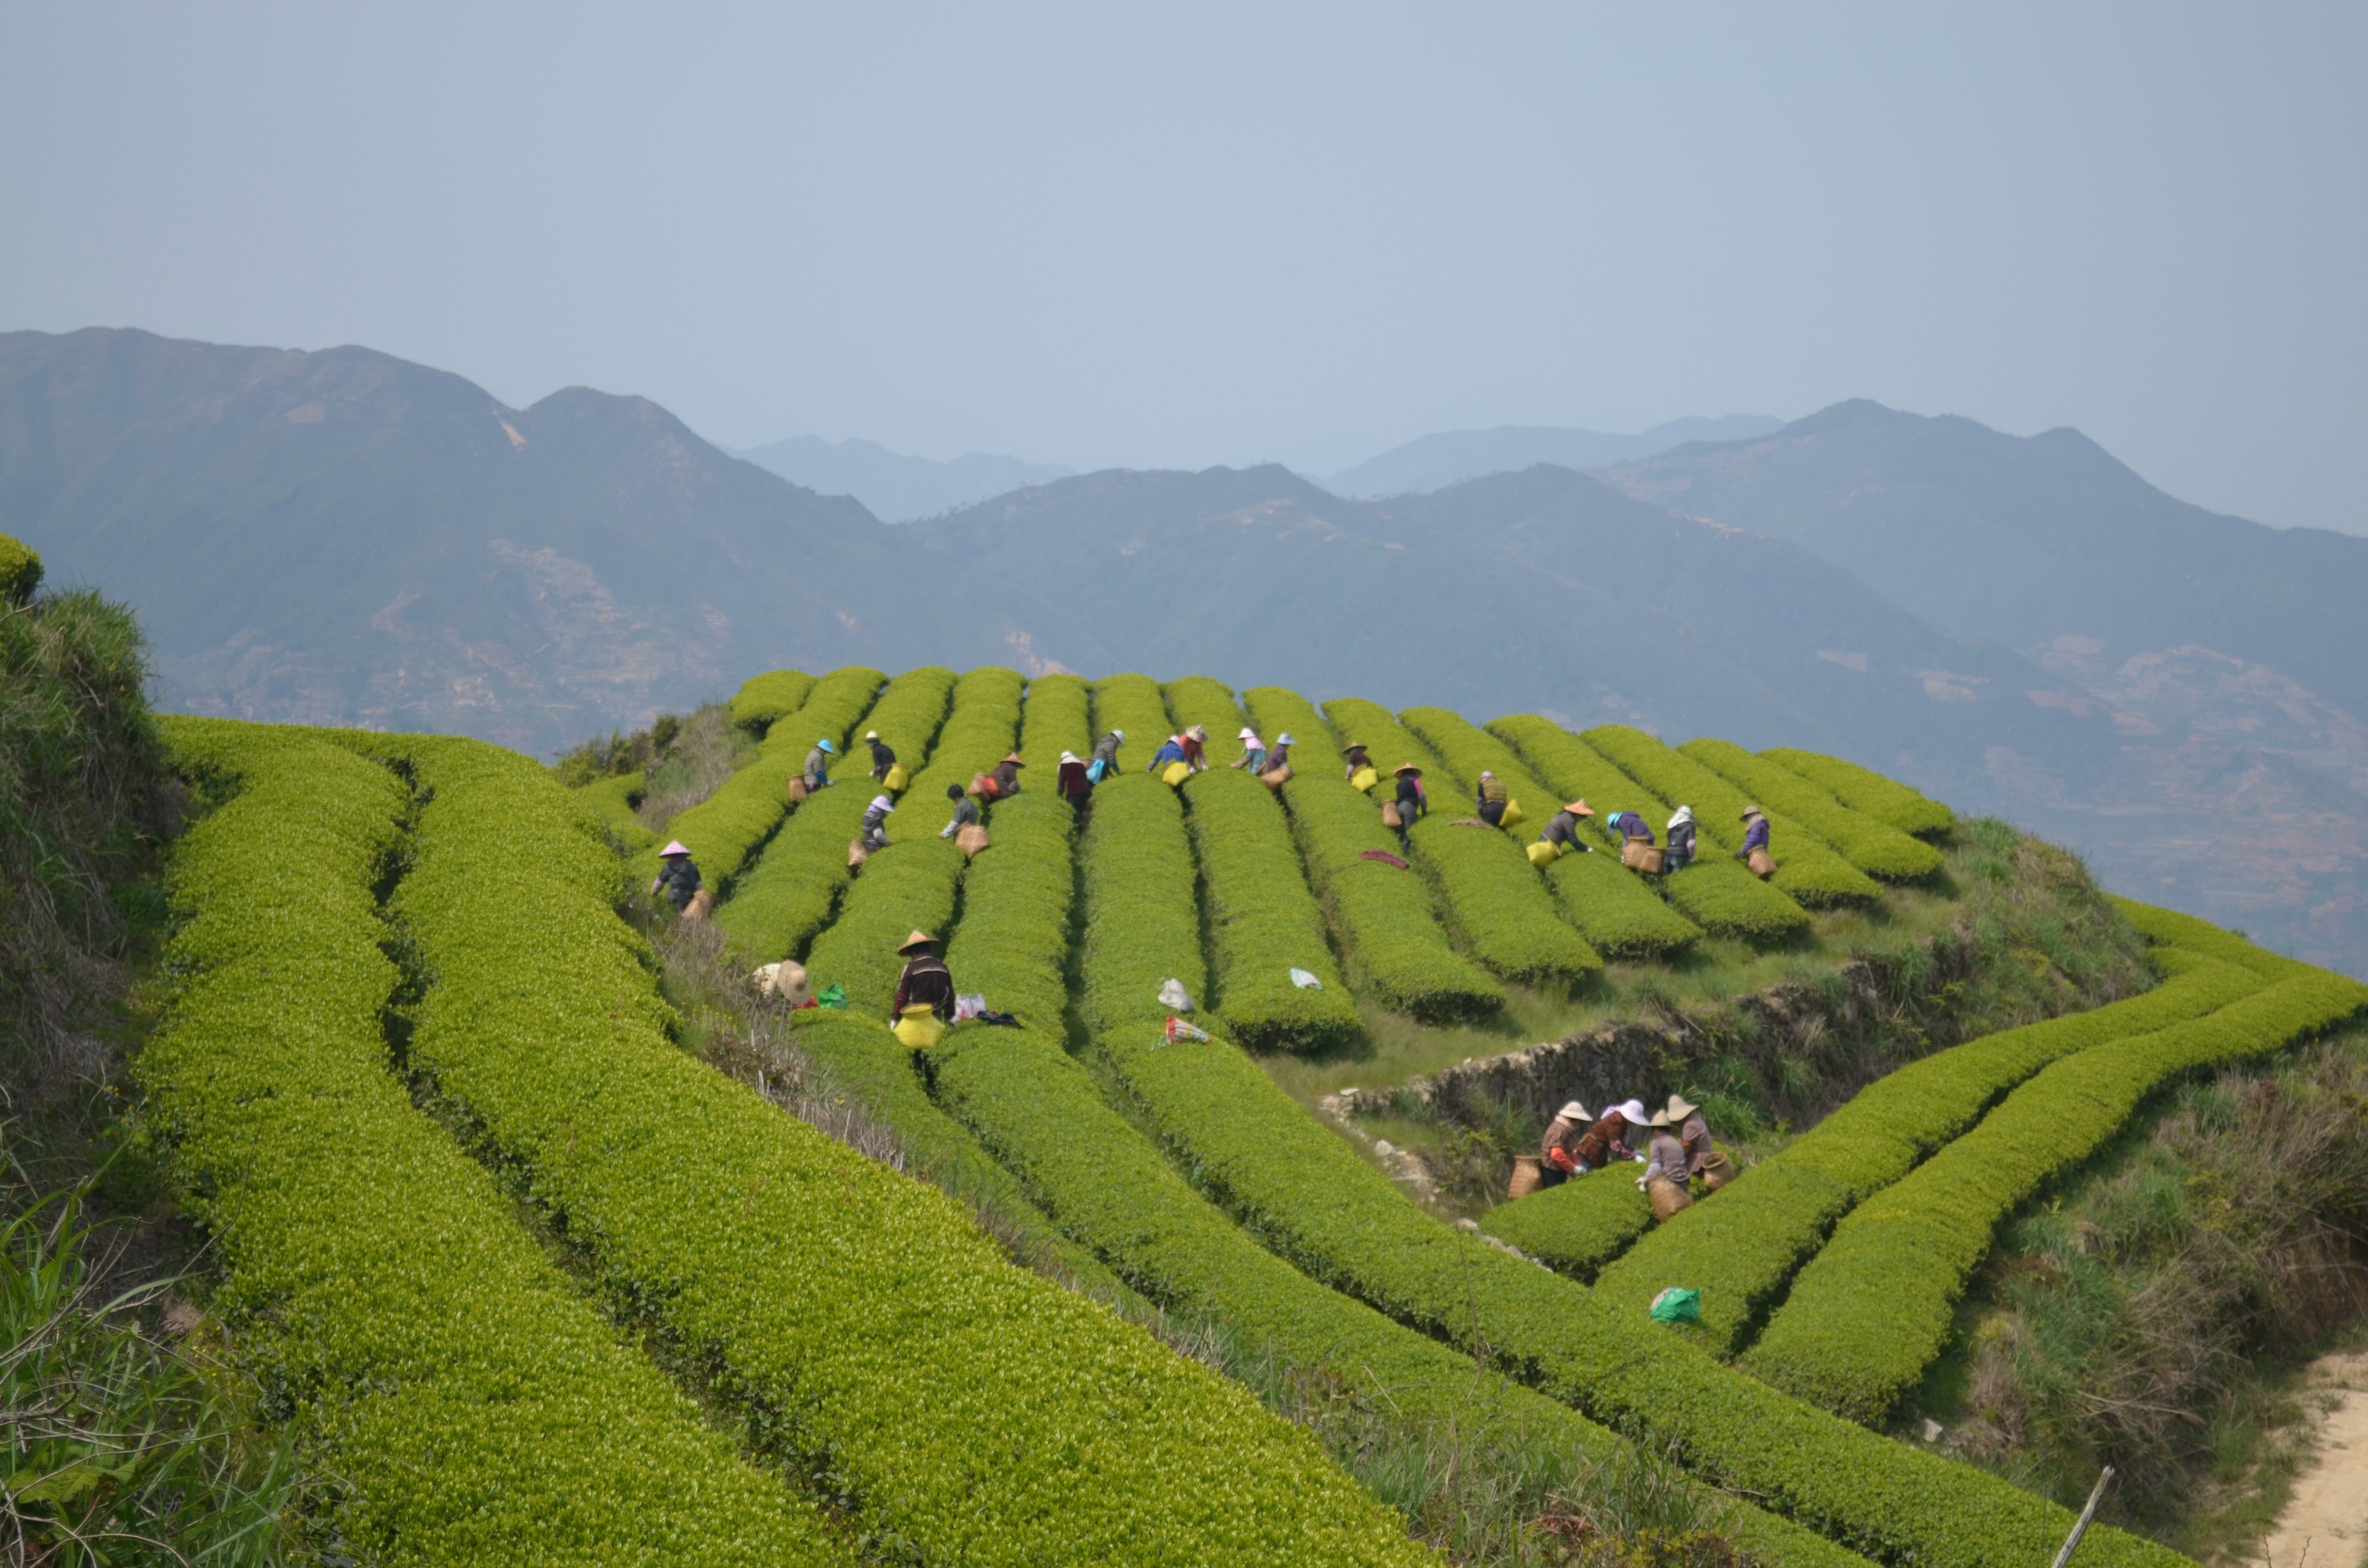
<point>776,907</point>
<point>1862,789</point>
<point>1870,1312</point>
<point>472,1405</point>
<point>1715,892</point>
<point>1611,906</point>
<point>1493,892</point>
<point>1263,920</point>
<point>910,885</point>
<point>1742,1247</point>
<point>1580,1226</point>
<point>1057,718</point>
<point>724,830</point>
<point>613,798</point>
<point>1394,947</point>
<point>1867,842</point>
<point>1805,868</point>
<point>776,694</point>
<point>20,571</point>
<point>2171,928</point>
<point>961,1409</point>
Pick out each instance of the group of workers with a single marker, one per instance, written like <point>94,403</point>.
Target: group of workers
<point>1673,1142</point>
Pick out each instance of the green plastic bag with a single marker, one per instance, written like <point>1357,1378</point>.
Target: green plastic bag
<point>833,995</point>
<point>1677,1305</point>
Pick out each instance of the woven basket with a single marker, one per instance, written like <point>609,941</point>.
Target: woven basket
<point>1527,1176</point>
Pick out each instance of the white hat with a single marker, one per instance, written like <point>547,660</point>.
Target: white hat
<point>1248,733</point>
<point>1633,1112</point>
<point>882,803</point>
<point>1284,739</point>
<point>1068,757</point>
<point>1572,1112</point>
<point>673,847</point>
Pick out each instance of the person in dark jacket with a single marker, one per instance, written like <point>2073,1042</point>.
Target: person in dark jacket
<point>1608,1142</point>
<point>1561,828</point>
<point>1558,1158</point>
<point>1172,750</point>
<point>1105,751</point>
<point>678,876</point>
<point>1410,802</point>
<point>818,763</point>
<point>1755,831</point>
<point>965,810</point>
<point>926,981</point>
<point>1682,840</point>
<point>1075,786</point>
<point>1491,797</point>
<point>1281,755</point>
<point>1006,776</point>
<point>1358,761</point>
<point>883,759</point>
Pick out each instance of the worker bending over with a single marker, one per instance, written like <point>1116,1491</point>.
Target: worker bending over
<point>875,821</point>
<point>1073,784</point>
<point>925,985</point>
<point>678,876</point>
<point>966,812</point>
<point>1252,751</point>
<point>1409,802</point>
<point>1755,852</point>
<point>1006,776</point>
<point>817,773</point>
<point>1358,762</point>
<point>1281,755</point>
<point>1491,797</point>
<point>1561,828</point>
<point>1106,753</point>
<point>1172,750</point>
<point>1682,840</point>
<point>883,759</point>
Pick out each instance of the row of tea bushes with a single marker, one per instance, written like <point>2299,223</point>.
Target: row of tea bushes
<point>1394,947</point>
<point>1263,920</point>
<point>472,1406</point>
<point>1612,907</point>
<point>1058,718</point>
<point>775,694</point>
<point>1863,789</point>
<point>1493,893</point>
<point>1805,869</point>
<point>780,903</point>
<point>1578,1227</point>
<point>612,798</point>
<point>1715,893</point>
<point>724,830</point>
<point>961,1409</point>
<point>1869,843</point>
<point>1743,1249</point>
<point>1871,1310</point>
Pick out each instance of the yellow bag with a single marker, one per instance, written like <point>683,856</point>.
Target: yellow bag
<point>1544,853</point>
<point>1512,817</point>
<point>898,776</point>
<point>1177,772</point>
<point>1365,777</point>
<point>920,1027</point>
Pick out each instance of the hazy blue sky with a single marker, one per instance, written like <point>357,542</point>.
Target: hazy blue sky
<point>1147,235</point>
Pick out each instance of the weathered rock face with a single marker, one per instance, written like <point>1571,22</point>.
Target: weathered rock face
<point>1871,1016</point>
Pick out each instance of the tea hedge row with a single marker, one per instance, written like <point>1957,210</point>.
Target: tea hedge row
<point>472,1405</point>
<point>724,830</point>
<point>1394,947</point>
<point>910,885</point>
<point>1862,789</point>
<point>1114,1191</point>
<point>962,1410</point>
<point>1869,843</point>
<point>1578,1227</point>
<point>612,798</point>
<point>1742,1248</point>
<point>1307,1195</point>
<point>1058,718</point>
<point>777,905</point>
<point>1805,869</point>
<point>1612,907</point>
<point>1715,893</point>
<point>1870,1312</point>
<point>774,695</point>
<point>1263,920</point>
<point>1132,703</point>
<point>1493,893</point>
<point>2173,929</point>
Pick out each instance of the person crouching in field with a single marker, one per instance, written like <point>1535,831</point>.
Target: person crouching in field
<point>1105,757</point>
<point>925,994</point>
<point>1253,752</point>
<point>678,882</point>
<point>875,822</point>
<point>1406,805</point>
<point>966,812</point>
<point>1490,798</point>
<point>1561,828</point>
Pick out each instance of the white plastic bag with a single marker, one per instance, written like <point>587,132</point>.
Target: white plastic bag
<point>1305,981</point>
<point>968,1007</point>
<point>1172,995</point>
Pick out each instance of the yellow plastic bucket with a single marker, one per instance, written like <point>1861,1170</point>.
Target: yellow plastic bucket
<point>898,776</point>
<point>1365,777</point>
<point>920,1027</point>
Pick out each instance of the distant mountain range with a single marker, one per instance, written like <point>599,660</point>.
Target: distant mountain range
<point>892,486</point>
<point>1434,462</point>
<point>2022,626</point>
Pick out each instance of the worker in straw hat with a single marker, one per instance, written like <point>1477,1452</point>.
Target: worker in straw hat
<point>1666,1172</point>
<point>1685,1119</point>
<point>1561,828</point>
<point>883,759</point>
<point>1754,851</point>
<point>1073,785</point>
<point>678,876</point>
<point>1253,756</point>
<point>1006,777</point>
<point>926,981</point>
<point>1558,1158</point>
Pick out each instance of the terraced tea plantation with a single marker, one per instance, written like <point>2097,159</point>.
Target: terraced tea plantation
<point>539,1283</point>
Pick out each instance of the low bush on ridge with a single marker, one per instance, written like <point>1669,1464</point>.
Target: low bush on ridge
<point>1869,843</point>
<point>1863,789</point>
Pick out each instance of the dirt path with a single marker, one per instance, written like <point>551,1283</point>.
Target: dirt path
<point>2326,1517</point>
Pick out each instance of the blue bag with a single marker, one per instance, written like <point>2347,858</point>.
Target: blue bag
<point>1095,769</point>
